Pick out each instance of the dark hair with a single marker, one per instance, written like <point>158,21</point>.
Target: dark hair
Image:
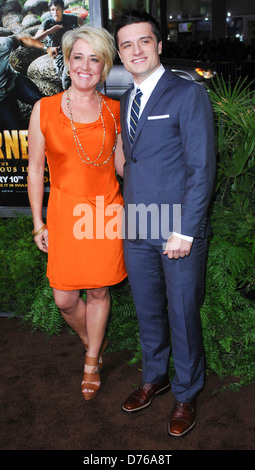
<point>136,16</point>
<point>56,3</point>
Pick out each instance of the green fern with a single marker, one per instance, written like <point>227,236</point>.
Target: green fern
<point>228,315</point>
<point>44,314</point>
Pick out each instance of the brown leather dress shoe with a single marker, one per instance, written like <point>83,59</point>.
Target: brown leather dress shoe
<point>142,397</point>
<point>182,419</point>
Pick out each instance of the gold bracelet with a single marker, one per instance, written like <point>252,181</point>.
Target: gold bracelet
<point>39,231</point>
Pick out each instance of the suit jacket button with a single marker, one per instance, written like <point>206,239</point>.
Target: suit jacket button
<point>133,159</point>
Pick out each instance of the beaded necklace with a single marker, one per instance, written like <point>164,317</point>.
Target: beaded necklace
<point>79,147</point>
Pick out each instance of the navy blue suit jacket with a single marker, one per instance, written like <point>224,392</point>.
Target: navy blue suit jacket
<point>171,163</point>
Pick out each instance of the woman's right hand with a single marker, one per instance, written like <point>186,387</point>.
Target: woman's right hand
<point>41,241</point>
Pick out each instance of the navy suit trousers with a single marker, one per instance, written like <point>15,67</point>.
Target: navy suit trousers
<point>168,295</point>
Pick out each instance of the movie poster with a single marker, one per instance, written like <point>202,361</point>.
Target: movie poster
<point>29,70</point>
<point>14,167</point>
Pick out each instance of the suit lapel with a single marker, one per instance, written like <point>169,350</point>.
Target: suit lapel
<point>123,111</point>
<point>158,91</point>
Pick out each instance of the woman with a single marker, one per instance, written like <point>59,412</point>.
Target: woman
<point>79,130</point>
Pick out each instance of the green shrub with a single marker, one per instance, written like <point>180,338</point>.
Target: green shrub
<point>22,265</point>
<point>228,313</point>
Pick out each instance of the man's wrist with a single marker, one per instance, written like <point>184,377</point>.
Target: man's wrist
<point>184,237</point>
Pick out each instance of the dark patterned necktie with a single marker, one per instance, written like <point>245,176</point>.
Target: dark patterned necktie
<point>134,115</point>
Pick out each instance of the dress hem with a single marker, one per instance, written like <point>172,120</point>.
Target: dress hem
<point>80,287</point>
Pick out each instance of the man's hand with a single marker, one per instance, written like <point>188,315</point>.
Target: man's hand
<point>177,247</point>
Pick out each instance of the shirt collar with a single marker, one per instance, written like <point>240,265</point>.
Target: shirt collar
<point>149,83</point>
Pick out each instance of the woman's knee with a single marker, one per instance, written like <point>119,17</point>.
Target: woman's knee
<point>65,300</point>
<point>100,293</point>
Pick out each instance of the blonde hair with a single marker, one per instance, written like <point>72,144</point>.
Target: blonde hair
<point>99,40</point>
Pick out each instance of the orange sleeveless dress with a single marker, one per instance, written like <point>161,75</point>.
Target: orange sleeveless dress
<point>85,204</point>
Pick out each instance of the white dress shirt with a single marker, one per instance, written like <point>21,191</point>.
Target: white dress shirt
<point>147,87</point>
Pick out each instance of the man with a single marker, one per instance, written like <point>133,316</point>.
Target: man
<point>15,86</point>
<point>54,28</point>
<point>170,166</point>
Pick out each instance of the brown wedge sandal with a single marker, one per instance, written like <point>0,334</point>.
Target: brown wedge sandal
<point>101,352</point>
<point>90,379</point>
